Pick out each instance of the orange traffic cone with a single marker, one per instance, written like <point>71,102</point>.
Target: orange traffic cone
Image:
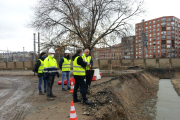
<point>73,115</point>
<point>72,87</point>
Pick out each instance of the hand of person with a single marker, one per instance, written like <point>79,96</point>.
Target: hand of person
<point>90,66</point>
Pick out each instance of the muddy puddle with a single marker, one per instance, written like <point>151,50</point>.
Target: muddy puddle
<point>168,104</point>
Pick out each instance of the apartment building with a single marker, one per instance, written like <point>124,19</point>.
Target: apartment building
<point>163,36</point>
<point>112,52</point>
<point>128,47</point>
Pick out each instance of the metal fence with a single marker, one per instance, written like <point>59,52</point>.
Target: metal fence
<point>13,56</point>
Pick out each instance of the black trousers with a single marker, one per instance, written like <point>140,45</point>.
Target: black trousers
<point>50,82</point>
<point>79,82</point>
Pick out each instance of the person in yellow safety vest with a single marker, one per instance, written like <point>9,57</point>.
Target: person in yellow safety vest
<point>39,67</point>
<point>79,73</point>
<point>65,66</point>
<point>50,70</point>
<point>87,58</point>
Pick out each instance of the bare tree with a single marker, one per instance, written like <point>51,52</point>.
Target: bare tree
<point>85,23</point>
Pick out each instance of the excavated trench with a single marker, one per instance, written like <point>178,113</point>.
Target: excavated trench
<point>124,97</point>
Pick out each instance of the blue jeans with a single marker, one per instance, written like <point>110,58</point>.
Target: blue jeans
<point>40,83</point>
<point>64,75</point>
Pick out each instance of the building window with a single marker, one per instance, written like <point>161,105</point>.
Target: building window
<point>158,38</point>
<point>158,51</point>
<point>154,43</point>
<point>168,41</point>
<point>150,55</point>
<point>154,47</point>
<point>168,46</point>
<point>154,35</point>
<point>149,27</point>
<point>150,39</point>
<point>157,25</point>
<point>168,23</point>
<point>163,19</point>
<point>149,23</point>
<point>168,32</point>
<point>168,37</point>
<point>154,22</point>
<point>168,19</point>
<point>158,34</point>
<point>150,51</point>
<point>146,28</point>
<point>158,29</point>
<point>154,26</point>
<point>149,35</point>
<point>158,42</point>
<point>168,28</point>
<point>158,46</point>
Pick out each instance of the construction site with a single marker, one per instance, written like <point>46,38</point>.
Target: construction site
<point>134,94</point>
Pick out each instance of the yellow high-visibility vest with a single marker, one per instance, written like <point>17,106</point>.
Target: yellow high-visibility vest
<point>86,59</point>
<point>50,66</point>
<point>41,67</point>
<point>78,69</point>
<point>66,66</point>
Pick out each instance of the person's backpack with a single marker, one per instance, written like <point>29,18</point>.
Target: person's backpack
<point>34,69</point>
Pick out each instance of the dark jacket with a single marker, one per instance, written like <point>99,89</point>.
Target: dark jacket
<point>79,62</point>
<point>38,63</point>
<point>62,60</point>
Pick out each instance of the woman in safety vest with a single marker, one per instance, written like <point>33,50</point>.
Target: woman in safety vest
<point>65,66</point>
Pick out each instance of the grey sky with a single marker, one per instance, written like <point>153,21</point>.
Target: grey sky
<point>15,14</point>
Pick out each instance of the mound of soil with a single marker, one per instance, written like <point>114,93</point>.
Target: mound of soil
<point>123,97</point>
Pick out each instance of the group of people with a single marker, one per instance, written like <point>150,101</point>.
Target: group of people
<point>47,70</point>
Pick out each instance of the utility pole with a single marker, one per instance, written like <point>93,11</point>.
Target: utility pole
<point>23,53</point>
<point>7,55</point>
<point>144,39</point>
<point>34,46</point>
<point>38,43</point>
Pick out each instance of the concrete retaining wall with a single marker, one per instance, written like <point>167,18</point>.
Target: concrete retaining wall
<point>151,63</point>
<point>105,64</point>
<point>10,65</point>
<point>164,63</point>
<point>175,63</point>
<point>2,65</point>
<point>139,62</point>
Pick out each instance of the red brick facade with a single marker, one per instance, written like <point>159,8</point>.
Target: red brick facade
<point>163,37</point>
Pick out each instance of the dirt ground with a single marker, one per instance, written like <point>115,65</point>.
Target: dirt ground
<point>176,82</point>
<point>118,98</point>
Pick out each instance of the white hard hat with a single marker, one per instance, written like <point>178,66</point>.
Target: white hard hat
<point>51,51</point>
<point>67,51</point>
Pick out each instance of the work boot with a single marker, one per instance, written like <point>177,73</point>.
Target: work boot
<point>41,93</point>
<point>49,98</point>
<point>69,88</point>
<point>44,91</point>
<point>53,96</point>
<point>88,102</point>
<point>63,89</point>
<point>78,100</point>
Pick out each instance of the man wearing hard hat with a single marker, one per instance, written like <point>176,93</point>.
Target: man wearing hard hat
<point>50,70</point>
<point>65,66</point>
